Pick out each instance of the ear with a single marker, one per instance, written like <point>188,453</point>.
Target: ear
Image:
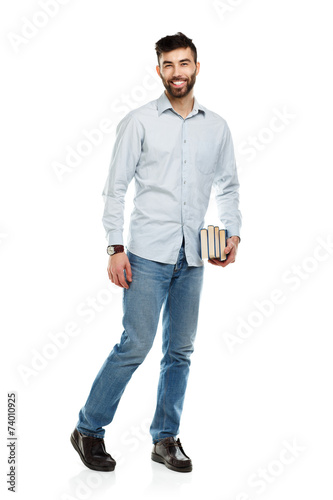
<point>198,68</point>
<point>158,71</point>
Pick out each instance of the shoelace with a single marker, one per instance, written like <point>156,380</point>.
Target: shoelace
<point>175,443</point>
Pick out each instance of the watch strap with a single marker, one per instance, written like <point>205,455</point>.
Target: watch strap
<point>118,248</point>
<point>115,249</point>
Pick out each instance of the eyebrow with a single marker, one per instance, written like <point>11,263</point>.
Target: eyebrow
<point>182,60</point>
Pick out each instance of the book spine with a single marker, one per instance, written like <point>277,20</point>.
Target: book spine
<point>203,243</point>
<point>217,242</point>
<point>223,244</point>
<point>211,242</point>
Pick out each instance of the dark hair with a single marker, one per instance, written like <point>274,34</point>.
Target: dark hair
<point>172,42</point>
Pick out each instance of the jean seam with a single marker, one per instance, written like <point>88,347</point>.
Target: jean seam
<point>168,352</point>
<point>170,338</point>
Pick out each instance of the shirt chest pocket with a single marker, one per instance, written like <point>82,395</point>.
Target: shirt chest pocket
<point>205,157</point>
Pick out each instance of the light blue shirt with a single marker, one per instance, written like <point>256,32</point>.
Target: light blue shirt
<point>175,162</point>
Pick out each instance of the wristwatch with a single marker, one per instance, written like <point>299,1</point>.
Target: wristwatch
<point>112,249</point>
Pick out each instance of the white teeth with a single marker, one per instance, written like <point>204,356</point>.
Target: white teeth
<point>178,83</point>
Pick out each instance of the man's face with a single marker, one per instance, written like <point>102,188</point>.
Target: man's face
<point>178,71</point>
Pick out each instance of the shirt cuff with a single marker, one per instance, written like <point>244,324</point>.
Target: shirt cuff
<point>233,231</point>
<point>115,238</point>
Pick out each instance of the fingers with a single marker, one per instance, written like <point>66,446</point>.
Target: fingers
<point>118,278</point>
<point>128,270</point>
<point>214,262</point>
<point>230,251</point>
<point>116,270</point>
<point>231,257</point>
<point>109,273</point>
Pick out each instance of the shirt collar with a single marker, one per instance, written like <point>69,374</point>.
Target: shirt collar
<point>163,104</point>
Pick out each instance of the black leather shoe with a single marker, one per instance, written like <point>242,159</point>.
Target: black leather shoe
<point>92,452</point>
<point>169,452</point>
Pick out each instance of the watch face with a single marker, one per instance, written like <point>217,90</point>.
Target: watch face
<point>110,250</point>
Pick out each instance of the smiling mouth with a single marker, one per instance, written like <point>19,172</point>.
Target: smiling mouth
<point>178,83</point>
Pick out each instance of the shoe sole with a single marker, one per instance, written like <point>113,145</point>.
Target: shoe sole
<point>161,460</point>
<point>100,468</point>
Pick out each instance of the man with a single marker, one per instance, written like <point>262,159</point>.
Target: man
<point>176,150</point>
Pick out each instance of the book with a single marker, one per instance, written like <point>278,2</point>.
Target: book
<point>213,241</point>
<point>204,243</point>
<point>217,242</point>
<point>223,244</point>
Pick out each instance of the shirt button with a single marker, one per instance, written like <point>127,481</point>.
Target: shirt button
<point>184,182</point>
<point>184,161</point>
<point>185,141</point>
<point>184,202</point>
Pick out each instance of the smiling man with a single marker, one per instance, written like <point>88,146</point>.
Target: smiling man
<point>178,86</point>
<point>176,150</point>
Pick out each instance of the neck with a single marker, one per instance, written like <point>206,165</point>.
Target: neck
<point>182,105</point>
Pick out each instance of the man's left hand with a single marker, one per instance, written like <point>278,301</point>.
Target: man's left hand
<point>230,251</point>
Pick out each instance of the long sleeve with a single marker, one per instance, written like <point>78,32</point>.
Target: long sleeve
<point>226,187</point>
<point>125,157</point>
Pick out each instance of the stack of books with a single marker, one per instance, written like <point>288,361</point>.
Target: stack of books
<point>213,242</point>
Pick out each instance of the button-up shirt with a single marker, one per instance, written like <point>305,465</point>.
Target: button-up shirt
<point>175,161</point>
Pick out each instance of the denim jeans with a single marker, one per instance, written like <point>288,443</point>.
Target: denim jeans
<point>177,288</point>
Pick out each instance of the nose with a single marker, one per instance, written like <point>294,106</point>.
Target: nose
<point>178,72</point>
<point>178,77</point>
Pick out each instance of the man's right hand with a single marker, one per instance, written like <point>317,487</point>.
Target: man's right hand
<point>116,266</point>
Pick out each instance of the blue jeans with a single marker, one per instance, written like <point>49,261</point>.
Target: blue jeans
<point>177,288</point>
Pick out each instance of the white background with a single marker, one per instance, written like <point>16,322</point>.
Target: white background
<point>247,398</point>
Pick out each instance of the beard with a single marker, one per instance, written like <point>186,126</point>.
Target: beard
<point>183,91</point>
